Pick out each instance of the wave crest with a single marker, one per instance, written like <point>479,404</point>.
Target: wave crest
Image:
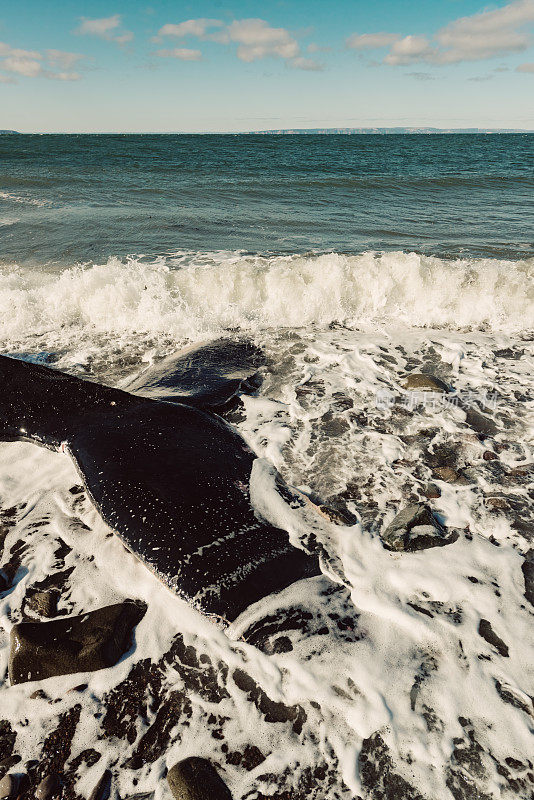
<point>191,294</point>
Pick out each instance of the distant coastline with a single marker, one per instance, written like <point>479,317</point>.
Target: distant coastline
<point>281,132</point>
<point>385,131</point>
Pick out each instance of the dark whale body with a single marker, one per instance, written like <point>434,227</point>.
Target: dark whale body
<point>170,479</point>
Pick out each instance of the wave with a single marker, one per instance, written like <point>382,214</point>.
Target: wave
<point>192,294</point>
<point>29,201</point>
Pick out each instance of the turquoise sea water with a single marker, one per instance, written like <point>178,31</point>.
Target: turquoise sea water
<point>66,199</point>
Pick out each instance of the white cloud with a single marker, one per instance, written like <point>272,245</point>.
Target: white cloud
<point>409,50</point>
<point>105,28</point>
<point>31,64</point>
<point>257,39</point>
<point>191,27</point>
<point>371,41</point>
<point>59,58</point>
<point>7,50</point>
<point>182,53</point>
<point>525,68</point>
<point>484,35</point>
<point>308,64</point>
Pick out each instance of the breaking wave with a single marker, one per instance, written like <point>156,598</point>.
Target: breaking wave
<point>190,294</point>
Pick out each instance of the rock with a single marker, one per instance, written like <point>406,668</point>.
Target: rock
<point>496,503</point>
<point>489,455</point>
<point>447,474</point>
<point>68,645</point>
<point>425,383</point>
<point>339,516</point>
<point>49,788</point>
<point>8,787</point>
<point>486,631</point>
<point>42,603</point>
<point>527,569</point>
<point>480,423</point>
<point>416,528</point>
<point>431,491</point>
<point>196,779</point>
<point>103,787</point>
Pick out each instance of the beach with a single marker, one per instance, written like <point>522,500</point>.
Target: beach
<point>389,283</point>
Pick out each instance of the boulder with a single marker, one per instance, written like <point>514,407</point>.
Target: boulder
<point>69,645</point>
<point>416,528</point>
<point>196,779</point>
<point>417,382</point>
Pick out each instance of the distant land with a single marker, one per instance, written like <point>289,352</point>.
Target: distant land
<point>283,132</point>
<point>386,131</point>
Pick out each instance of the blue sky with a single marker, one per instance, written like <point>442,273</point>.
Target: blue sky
<point>246,65</point>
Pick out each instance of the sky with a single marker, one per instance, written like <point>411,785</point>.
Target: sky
<point>217,65</point>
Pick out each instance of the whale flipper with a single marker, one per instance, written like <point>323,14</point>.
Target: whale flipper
<point>170,479</point>
<point>209,376</point>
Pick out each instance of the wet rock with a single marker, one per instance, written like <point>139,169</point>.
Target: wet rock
<point>65,646</point>
<point>8,787</point>
<point>175,709</point>
<point>49,788</point>
<point>338,515</point>
<point>102,789</point>
<point>480,423</point>
<point>496,503</point>
<point>416,528</point>
<point>527,569</point>
<point>196,779</point>
<point>431,491</point>
<point>515,698</point>
<point>486,631</point>
<point>271,710</point>
<point>42,604</point>
<point>8,738</point>
<point>378,775</point>
<point>249,759</point>
<point>425,383</point>
<point>447,474</point>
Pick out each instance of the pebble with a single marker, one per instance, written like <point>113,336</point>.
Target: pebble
<point>48,787</point>
<point>8,787</point>
<point>196,779</point>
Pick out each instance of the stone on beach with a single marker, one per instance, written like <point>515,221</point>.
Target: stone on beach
<point>416,528</point>
<point>425,383</point>
<point>68,645</point>
<point>49,787</point>
<point>8,787</point>
<point>196,779</point>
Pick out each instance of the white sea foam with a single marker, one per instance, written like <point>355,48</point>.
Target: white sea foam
<point>410,675</point>
<point>191,295</point>
<point>28,201</point>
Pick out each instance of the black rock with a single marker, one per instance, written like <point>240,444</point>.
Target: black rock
<point>416,528</point>
<point>486,631</point>
<point>49,788</point>
<point>103,787</point>
<point>196,779</point>
<point>527,569</point>
<point>68,645</point>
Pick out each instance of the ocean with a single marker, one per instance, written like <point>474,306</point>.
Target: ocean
<point>352,262</point>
